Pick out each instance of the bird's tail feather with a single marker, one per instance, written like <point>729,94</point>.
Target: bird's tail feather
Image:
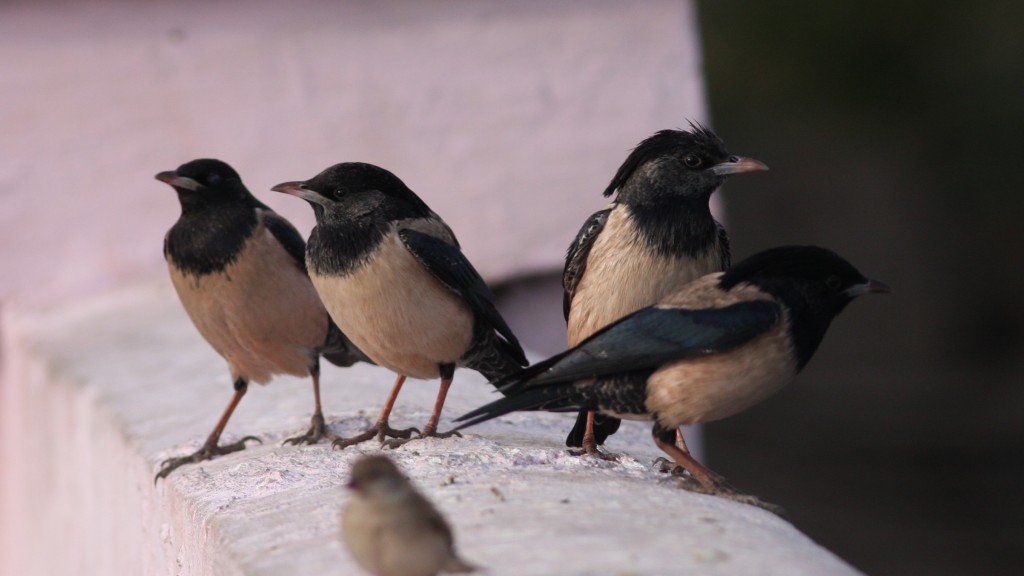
<point>508,383</point>
<point>552,398</point>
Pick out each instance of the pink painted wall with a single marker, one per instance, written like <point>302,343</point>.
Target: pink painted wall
<point>507,117</point>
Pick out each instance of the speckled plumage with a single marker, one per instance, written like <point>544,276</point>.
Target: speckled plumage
<point>712,348</point>
<point>657,235</point>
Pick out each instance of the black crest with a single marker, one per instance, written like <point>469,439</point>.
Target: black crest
<point>699,140</point>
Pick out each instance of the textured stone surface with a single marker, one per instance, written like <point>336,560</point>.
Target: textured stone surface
<point>95,395</point>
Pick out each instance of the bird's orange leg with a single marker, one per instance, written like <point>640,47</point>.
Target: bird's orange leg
<point>710,482</point>
<point>317,427</point>
<point>707,477</point>
<point>210,448</point>
<point>431,428</point>
<point>590,442</point>
<point>381,429</point>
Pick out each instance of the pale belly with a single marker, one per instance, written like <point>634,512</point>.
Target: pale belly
<point>715,387</point>
<point>261,313</point>
<point>399,315</point>
<point>623,275</point>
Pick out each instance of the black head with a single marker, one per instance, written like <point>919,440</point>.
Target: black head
<point>677,164</point>
<point>354,189</point>
<point>205,182</point>
<point>815,284</point>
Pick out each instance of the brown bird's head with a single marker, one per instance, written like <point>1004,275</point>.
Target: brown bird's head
<point>377,475</point>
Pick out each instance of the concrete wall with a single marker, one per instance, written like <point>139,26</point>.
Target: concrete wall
<point>96,394</point>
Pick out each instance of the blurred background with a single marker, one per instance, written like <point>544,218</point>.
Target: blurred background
<point>892,129</point>
<point>894,132</point>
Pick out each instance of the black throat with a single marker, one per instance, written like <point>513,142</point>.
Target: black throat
<point>678,228</point>
<point>348,232</point>
<point>339,248</point>
<point>809,314</point>
<point>208,240</point>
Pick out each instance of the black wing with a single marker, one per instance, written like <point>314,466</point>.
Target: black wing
<point>576,256</point>
<point>640,342</point>
<point>447,263</point>
<point>575,266</point>
<point>287,235</point>
<point>724,249</point>
<point>650,337</point>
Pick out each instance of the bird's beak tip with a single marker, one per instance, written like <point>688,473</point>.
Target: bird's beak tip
<point>739,166</point>
<point>166,177</point>
<point>292,188</point>
<point>869,287</point>
<point>877,287</point>
<point>171,178</point>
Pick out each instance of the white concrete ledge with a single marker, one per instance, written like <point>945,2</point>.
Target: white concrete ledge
<point>94,396</point>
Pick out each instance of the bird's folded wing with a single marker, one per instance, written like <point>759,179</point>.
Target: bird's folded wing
<point>576,256</point>
<point>447,263</point>
<point>287,235</point>
<point>724,249</point>
<point>651,337</point>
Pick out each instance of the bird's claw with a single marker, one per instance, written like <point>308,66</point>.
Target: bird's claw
<point>718,483</point>
<point>664,464</point>
<point>426,434</point>
<point>207,452</point>
<point>720,487</point>
<point>317,431</point>
<point>595,452</point>
<point>379,431</point>
<point>389,432</point>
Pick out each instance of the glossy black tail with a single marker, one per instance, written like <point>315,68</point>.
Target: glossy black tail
<point>555,398</point>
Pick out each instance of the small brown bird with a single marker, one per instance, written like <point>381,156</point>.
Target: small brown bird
<point>240,272</point>
<point>391,529</point>
<point>394,278</point>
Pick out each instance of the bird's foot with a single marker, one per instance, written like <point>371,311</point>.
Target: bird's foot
<point>589,448</point>
<point>380,431</point>
<point>717,487</point>
<point>427,433</point>
<point>595,452</point>
<point>317,431</point>
<point>207,452</point>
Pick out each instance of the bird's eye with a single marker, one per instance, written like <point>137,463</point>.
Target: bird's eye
<point>339,193</point>
<point>691,161</point>
<point>833,282</point>
<point>213,179</point>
